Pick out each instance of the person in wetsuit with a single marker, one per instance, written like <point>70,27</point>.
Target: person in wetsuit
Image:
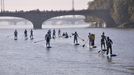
<point>15,35</point>
<point>89,39</point>
<point>109,43</point>
<point>92,38</point>
<point>47,38</point>
<point>54,33</point>
<point>76,38</point>
<point>31,34</point>
<point>25,34</point>
<point>59,33</point>
<point>103,41</point>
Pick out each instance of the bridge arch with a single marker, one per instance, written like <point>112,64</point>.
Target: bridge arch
<point>67,18</point>
<point>13,21</point>
<point>96,22</point>
<point>65,21</point>
<point>101,14</point>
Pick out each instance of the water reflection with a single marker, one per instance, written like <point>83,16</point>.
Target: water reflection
<point>109,59</point>
<point>48,50</point>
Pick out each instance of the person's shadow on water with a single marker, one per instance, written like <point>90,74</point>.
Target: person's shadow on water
<point>48,50</point>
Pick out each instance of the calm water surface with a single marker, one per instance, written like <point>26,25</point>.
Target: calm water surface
<point>23,57</point>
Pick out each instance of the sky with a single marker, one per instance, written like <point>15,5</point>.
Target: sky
<point>26,5</point>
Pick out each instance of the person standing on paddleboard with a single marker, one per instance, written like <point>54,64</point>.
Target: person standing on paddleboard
<point>75,38</point>
<point>103,41</point>
<point>92,37</point>
<point>25,34</point>
<point>15,34</point>
<point>109,43</point>
<point>31,34</point>
<point>54,33</point>
<point>48,38</point>
<point>59,33</point>
<point>89,39</point>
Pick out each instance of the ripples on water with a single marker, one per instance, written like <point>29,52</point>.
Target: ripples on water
<point>123,40</point>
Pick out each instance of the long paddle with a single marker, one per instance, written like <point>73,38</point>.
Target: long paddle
<point>85,43</point>
<point>39,41</point>
<point>80,38</point>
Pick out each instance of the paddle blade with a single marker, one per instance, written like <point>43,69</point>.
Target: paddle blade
<point>83,45</point>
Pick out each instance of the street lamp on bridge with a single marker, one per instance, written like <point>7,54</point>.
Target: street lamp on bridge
<point>73,5</point>
<point>2,5</point>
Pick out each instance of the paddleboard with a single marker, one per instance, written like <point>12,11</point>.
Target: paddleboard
<point>15,39</point>
<point>103,51</point>
<point>93,47</point>
<point>31,38</point>
<point>77,44</point>
<point>113,55</point>
<point>49,47</point>
<point>26,38</point>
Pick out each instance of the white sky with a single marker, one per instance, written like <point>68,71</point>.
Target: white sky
<point>44,4</point>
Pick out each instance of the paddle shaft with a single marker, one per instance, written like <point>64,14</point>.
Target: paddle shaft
<point>39,41</point>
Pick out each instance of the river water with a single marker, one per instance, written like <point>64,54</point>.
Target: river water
<point>25,57</point>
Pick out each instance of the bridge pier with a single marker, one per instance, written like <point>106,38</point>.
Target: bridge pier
<point>110,24</point>
<point>37,25</point>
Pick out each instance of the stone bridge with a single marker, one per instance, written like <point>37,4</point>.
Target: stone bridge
<point>38,17</point>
